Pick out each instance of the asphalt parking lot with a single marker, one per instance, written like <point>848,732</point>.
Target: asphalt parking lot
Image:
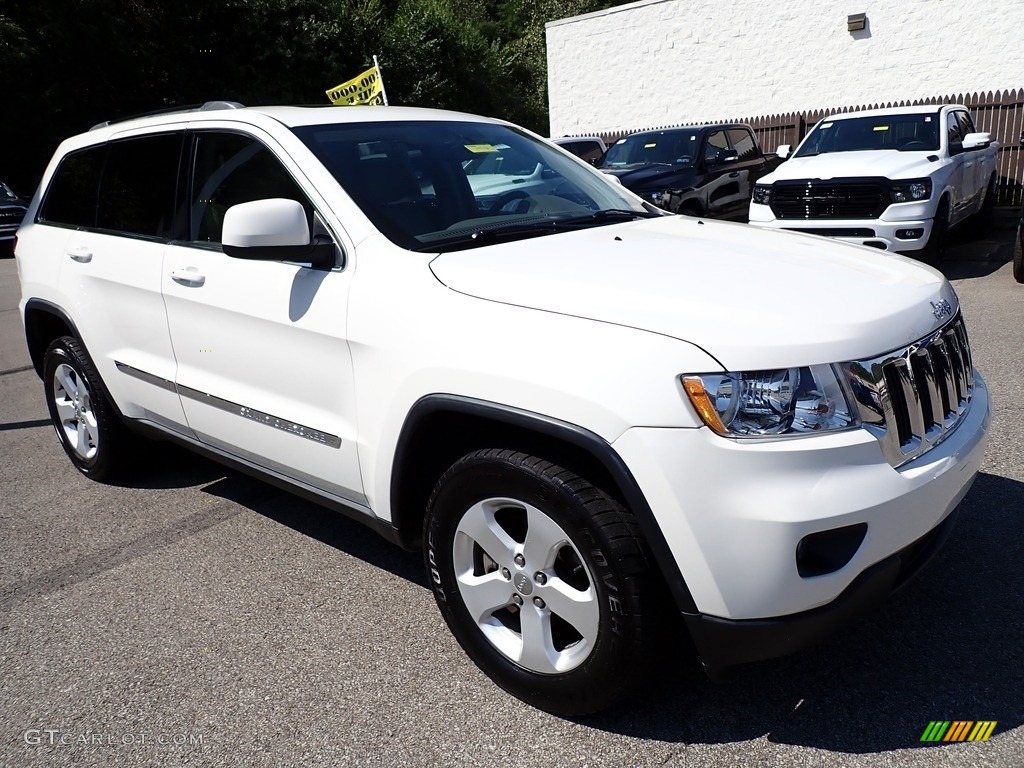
<point>199,617</point>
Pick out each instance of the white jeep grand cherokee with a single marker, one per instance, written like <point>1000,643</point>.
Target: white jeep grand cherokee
<point>896,179</point>
<point>581,408</point>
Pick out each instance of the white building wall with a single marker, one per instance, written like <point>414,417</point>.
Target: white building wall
<point>657,63</point>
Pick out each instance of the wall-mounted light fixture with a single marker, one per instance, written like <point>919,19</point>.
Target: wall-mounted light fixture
<point>856,22</point>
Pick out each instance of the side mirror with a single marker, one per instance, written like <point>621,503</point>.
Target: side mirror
<point>727,156</point>
<point>274,230</point>
<point>976,140</point>
<point>783,151</point>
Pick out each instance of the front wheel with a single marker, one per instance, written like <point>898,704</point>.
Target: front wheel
<point>935,248</point>
<point>983,218</point>
<point>543,579</point>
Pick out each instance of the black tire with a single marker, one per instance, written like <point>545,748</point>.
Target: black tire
<point>1018,255</point>
<point>935,249</point>
<point>983,218</point>
<point>523,506</point>
<point>87,426</point>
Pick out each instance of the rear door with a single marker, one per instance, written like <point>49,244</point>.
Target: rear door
<point>116,204</point>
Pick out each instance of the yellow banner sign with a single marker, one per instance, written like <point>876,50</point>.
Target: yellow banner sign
<point>365,88</point>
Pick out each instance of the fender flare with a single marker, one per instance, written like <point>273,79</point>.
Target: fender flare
<point>573,435</point>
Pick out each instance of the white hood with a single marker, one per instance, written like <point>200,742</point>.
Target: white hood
<point>752,298</point>
<point>887,163</point>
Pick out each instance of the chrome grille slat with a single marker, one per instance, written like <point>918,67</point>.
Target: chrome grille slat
<point>959,364</point>
<point>912,398</point>
<point>932,407</point>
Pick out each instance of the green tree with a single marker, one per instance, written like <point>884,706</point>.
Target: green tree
<point>75,63</point>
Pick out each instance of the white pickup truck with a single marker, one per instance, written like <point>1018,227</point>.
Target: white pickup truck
<point>895,179</point>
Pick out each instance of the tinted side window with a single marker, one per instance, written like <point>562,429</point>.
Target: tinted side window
<point>953,129</point>
<point>744,144</point>
<point>587,150</point>
<point>715,144</point>
<point>71,198</point>
<point>229,169</point>
<point>139,185</point>
<point>966,124</point>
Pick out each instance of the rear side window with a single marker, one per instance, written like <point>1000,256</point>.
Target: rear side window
<point>139,184</point>
<point>71,198</point>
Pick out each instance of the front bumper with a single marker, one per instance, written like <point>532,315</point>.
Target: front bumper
<point>734,512</point>
<point>876,233</point>
<point>723,643</point>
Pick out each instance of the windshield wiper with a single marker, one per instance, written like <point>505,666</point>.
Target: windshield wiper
<point>607,215</point>
<point>485,236</point>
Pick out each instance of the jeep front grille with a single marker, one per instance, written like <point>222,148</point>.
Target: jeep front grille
<point>913,397</point>
<point>828,200</point>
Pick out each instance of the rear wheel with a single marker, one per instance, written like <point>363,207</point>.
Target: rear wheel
<point>543,579</point>
<point>88,428</point>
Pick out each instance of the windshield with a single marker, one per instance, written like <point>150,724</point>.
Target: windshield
<point>436,185</point>
<point>903,133</point>
<point>662,148</point>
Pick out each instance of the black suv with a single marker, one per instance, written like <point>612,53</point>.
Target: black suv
<point>12,211</point>
<point>705,170</point>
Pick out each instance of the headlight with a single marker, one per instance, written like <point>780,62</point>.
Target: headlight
<point>762,193</point>
<point>909,191</point>
<point>771,403</point>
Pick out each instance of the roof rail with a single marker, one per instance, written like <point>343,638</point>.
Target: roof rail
<point>206,107</point>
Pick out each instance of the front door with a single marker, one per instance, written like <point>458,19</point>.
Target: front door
<point>264,369</point>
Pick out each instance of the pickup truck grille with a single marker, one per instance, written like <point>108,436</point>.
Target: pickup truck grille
<point>828,200</point>
<point>913,397</point>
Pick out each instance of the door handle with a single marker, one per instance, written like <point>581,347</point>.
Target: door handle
<point>81,254</point>
<point>188,276</point>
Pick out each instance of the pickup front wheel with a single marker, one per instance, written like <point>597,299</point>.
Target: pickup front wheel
<point>935,248</point>
<point>542,578</point>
